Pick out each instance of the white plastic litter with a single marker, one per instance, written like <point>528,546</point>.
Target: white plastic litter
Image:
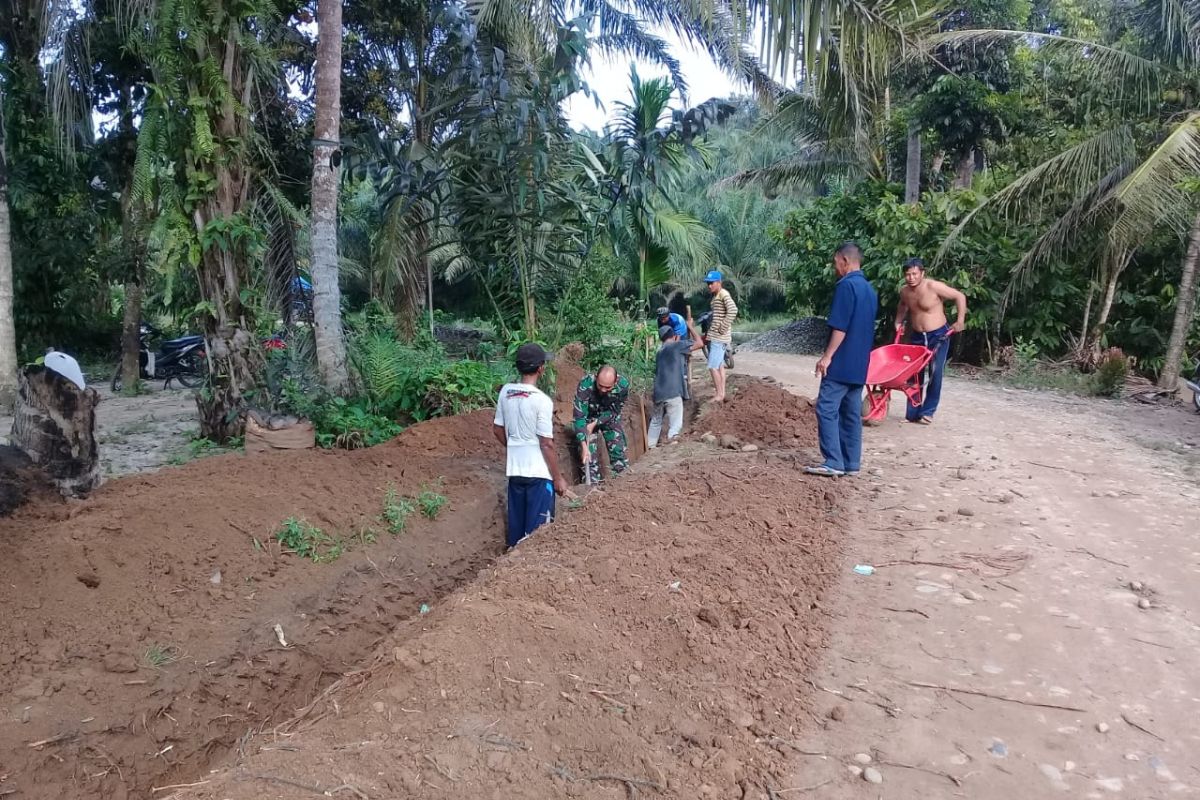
<point>66,366</point>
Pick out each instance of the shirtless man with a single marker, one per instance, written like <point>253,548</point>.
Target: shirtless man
<point>923,304</point>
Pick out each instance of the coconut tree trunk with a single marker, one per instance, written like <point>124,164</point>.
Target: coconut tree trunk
<point>1110,294</point>
<point>55,425</point>
<point>327,296</point>
<point>1185,309</point>
<point>965,170</point>
<point>8,331</point>
<point>912,168</point>
<point>1086,327</point>
<point>131,327</point>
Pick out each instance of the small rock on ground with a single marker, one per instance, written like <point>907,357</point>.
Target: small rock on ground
<point>872,775</point>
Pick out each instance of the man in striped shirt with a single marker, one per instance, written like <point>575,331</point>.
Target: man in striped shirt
<point>720,332</point>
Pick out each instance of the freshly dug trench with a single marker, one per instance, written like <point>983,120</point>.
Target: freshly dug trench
<point>139,641</point>
<point>657,638</point>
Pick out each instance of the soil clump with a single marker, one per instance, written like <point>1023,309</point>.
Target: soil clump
<point>758,412</point>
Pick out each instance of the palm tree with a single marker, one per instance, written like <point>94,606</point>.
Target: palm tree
<point>647,159</point>
<point>327,296</point>
<point>1113,191</point>
<point>8,334</point>
<point>210,60</point>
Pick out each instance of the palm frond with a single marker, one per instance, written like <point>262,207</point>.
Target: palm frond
<point>1173,27</point>
<point>1128,74</point>
<point>688,241</point>
<point>282,221</point>
<point>811,166</point>
<point>1151,196</point>
<point>1091,211</point>
<point>1065,177</point>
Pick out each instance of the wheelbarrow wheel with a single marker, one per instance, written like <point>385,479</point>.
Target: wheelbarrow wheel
<point>875,406</point>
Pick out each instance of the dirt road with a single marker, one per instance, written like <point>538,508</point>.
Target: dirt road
<point>1029,517</point>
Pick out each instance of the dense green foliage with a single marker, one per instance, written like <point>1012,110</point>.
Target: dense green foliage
<point>1054,183</point>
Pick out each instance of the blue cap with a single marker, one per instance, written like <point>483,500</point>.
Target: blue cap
<point>714,275</point>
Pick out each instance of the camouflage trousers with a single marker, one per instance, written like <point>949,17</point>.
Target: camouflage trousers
<point>613,434</point>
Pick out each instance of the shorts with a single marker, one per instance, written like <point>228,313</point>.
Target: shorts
<point>530,505</point>
<point>716,354</point>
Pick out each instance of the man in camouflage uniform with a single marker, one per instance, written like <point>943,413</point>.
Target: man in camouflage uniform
<point>598,404</point>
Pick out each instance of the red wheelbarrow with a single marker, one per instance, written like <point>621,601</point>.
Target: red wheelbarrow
<point>894,367</point>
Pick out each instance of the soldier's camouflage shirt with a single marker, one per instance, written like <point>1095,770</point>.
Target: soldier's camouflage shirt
<point>592,405</point>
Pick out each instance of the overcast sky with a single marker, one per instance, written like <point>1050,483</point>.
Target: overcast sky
<point>609,80</point>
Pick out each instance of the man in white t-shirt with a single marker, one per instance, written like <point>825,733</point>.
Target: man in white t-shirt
<point>525,426</point>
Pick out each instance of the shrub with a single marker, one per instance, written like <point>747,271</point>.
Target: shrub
<point>351,425</point>
<point>1111,372</point>
<point>462,386</point>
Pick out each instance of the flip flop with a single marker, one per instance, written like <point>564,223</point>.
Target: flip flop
<point>824,471</point>
<point>925,421</point>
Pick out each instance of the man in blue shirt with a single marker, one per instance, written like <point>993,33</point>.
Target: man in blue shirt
<point>843,367</point>
<point>678,324</point>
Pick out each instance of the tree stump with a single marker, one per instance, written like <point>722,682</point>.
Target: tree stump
<point>55,425</point>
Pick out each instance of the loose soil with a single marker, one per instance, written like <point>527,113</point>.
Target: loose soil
<point>139,631</point>
<point>759,413</point>
<point>140,644</point>
<point>656,638</point>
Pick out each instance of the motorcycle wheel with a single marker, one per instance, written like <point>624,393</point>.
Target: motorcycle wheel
<point>193,371</point>
<point>728,359</point>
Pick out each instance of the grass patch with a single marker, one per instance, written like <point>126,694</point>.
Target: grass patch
<point>396,511</point>
<point>160,655</point>
<point>199,447</point>
<point>763,324</point>
<point>1045,377</point>
<point>432,501</point>
<point>308,541</point>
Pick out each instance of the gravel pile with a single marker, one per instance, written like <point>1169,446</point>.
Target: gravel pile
<point>806,336</point>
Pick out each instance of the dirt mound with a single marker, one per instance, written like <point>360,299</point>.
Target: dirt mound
<point>654,640</point>
<point>139,625</point>
<point>468,435</point>
<point>757,412</point>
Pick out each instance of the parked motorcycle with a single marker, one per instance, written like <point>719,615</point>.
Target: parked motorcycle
<point>181,359</point>
<point>1194,385</point>
<point>705,321</point>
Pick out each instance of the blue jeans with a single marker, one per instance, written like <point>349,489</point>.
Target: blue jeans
<point>839,424</point>
<point>939,342</point>
<point>530,505</point>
